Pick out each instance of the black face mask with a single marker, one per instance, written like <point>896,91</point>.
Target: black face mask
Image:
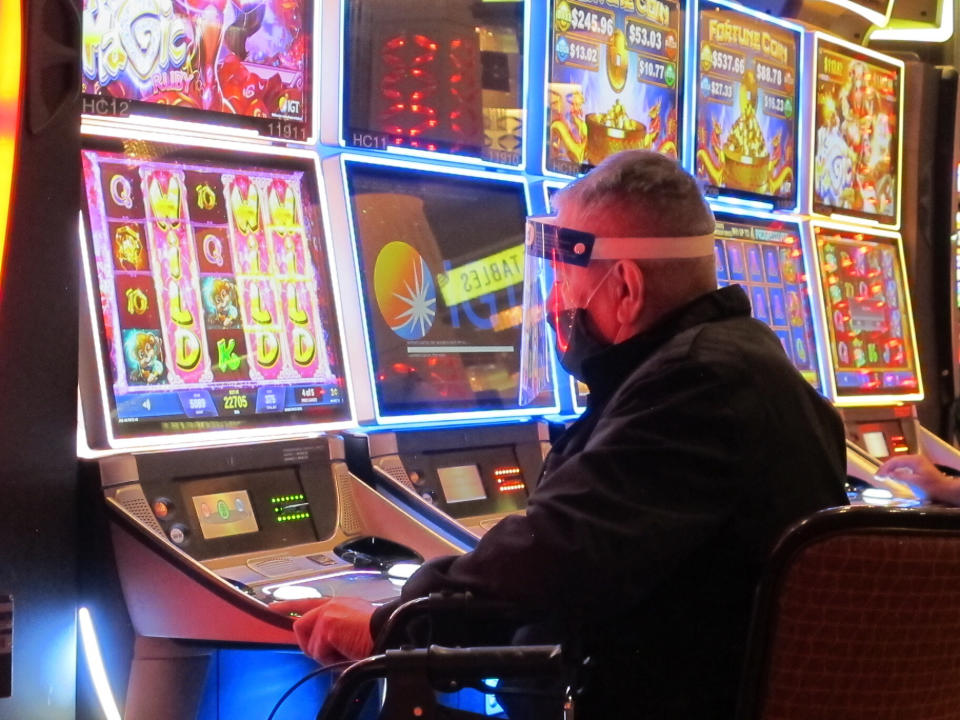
<point>581,343</point>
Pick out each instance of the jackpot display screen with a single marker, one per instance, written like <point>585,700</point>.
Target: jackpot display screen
<point>856,135</point>
<point>765,257</point>
<point>441,268</point>
<point>745,131</point>
<point>870,326</point>
<point>614,78</point>
<point>435,75</point>
<point>214,289</point>
<point>236,63</point>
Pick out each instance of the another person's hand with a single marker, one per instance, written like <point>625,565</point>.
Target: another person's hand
<point>916,470</point>
<point>331,629</point>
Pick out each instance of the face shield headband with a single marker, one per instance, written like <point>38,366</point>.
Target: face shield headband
<point>554,255</point>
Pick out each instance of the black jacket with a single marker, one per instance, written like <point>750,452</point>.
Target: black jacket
<point>646,535</point>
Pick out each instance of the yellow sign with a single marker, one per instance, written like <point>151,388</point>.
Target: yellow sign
<point>486,275</point>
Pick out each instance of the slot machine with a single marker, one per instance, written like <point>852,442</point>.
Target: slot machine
<point>212,318</point>
<point>614,82</point>
<point>771,256</point>
<point>213,359</point>
<point>746,138</point>
<point>872,344</point>
<point>436,259</point>
<point>855,181</point>
<point>433,252</point>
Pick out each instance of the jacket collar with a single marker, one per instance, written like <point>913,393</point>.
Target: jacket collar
<point>605,371</point>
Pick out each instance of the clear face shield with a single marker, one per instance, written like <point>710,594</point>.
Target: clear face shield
<point>557,283</point>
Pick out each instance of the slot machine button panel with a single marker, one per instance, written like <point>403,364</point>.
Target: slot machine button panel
<point>162,508</point>
<point>179,534</point>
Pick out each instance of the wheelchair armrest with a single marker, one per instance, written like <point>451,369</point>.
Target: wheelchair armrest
<point>415,674</point>
<point>464,606</point>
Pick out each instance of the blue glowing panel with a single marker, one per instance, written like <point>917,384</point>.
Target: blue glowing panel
<point>614,78</point>
<point>440,266</point>
<point>765,257</point>
<point>746,90</point>
<point>439,77</point>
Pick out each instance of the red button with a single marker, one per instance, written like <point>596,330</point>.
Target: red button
<point>161,509</point>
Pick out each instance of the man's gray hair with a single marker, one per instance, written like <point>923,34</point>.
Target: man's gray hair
<point>642,193</point>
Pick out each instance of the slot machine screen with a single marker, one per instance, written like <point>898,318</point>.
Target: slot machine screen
<point>870,326</point>
<point>613,83</point>
<point>215,308</point>
<point>235,63</point>
<point>440,261</point>
<point>440,76</point>
<point>765,257</point>
<point>461,483</point>
<point>745,130</point>
<point>856,137</point>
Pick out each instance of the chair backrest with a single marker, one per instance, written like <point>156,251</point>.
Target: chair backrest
<point>858,616</point>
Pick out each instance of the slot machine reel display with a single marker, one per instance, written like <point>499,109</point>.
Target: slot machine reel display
<point>856,133</point>
<point>765,256</point>
<point>215,309</point>
<point>869,322</point>
<point>434,76</point>
<point>614,81</point>
<point>747,96</point>
<point>440,263</point>
<point>243,64</point>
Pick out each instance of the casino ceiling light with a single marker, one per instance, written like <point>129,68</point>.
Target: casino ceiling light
<point>900,29</point>
<point>10,83</point>
<point>868,11</point>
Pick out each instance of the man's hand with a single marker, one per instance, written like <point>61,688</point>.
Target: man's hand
<point>920,472</point>
<point>331,629</point>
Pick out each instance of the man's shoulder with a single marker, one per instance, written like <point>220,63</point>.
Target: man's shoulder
<point>731,345</point>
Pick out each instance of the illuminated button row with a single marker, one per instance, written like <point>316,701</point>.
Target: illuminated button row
<point>286,498</point>
<point>509,480</point>
<point>289,518</point>
<point>899,444</point>
<point>288,508</point>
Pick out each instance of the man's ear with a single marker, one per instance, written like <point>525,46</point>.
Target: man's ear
<point>631,292</point>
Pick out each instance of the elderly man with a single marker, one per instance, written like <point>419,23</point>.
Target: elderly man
<point>645,537</point>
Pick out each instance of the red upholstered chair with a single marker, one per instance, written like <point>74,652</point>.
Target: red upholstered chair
<point>858,617</point>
